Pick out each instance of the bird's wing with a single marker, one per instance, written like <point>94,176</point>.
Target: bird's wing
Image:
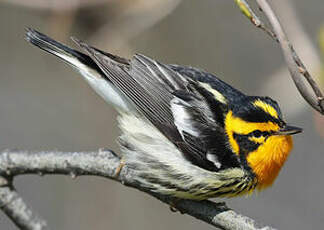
<point>224,91</point>
<point>172,102</point>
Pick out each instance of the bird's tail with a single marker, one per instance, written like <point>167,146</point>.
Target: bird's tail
<point>71,56</point>
<point>83,64</point>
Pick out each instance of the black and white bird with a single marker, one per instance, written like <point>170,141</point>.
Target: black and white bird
<point>189,134</point>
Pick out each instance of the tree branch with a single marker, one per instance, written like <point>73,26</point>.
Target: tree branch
<point>103,163</point>
<point>296,67</point>
<point>17,210</point>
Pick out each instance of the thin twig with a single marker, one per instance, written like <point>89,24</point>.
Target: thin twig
<point>296,67</point>
<point>298,36</point>
<point>104,163</point>
<point>249,13</point>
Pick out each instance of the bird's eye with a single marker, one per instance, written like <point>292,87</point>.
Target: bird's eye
<point>257,133</point>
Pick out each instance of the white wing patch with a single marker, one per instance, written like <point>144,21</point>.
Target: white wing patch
<point>182,119</point>
<point>186,123</point>
<point>213,158</point>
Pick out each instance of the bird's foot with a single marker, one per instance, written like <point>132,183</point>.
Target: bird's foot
<point>173,203</point>
<point>119,168</point>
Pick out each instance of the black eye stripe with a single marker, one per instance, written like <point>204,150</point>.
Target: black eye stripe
<point>255,133</point>
<point>258,133</point>
<point>266,133</point>
<point>244,142</point>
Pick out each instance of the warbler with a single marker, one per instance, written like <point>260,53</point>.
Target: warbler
<point>187,133</point>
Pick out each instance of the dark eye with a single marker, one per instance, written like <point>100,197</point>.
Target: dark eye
<point>257,133</point>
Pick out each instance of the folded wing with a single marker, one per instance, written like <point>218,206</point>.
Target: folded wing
<point>176,105</point>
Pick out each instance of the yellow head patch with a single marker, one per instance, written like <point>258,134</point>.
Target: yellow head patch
<point>237,125</point>
<point>266,108</point>
<point>267,160</point>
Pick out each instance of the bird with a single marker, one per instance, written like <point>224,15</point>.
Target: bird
<point>187,133</point>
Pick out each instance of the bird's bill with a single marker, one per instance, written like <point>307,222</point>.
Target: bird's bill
<point>288,130</point>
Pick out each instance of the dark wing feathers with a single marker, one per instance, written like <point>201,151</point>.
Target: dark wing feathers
<point>170,100</point>
<point>118,74</point>
<point>212,80</point>
<point>205,138</point>
<point>162,73</point>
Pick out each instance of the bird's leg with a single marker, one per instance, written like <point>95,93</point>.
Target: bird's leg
<point>119,168</point>
<point>121,162</point>
<point>173,203</point>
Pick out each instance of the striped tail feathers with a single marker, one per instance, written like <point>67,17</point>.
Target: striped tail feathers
<point>71,56</point>
<point>86,66</point>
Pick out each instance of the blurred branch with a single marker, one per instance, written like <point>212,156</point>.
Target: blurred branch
<point>319,120</point>
<point>103,163</point>
<point>57,5</point>
<point>296,67</point>
<point>17,210</point>
<point>132,20</point>
<point>321,45</point>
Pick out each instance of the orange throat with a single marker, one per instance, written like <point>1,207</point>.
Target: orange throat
<point>268,159</point>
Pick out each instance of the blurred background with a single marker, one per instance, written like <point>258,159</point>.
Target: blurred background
<point>44,105</point>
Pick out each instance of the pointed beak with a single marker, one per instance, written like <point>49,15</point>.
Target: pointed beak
<point>288,130</point>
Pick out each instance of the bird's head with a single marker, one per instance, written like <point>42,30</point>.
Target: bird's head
<point>256,130</point>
